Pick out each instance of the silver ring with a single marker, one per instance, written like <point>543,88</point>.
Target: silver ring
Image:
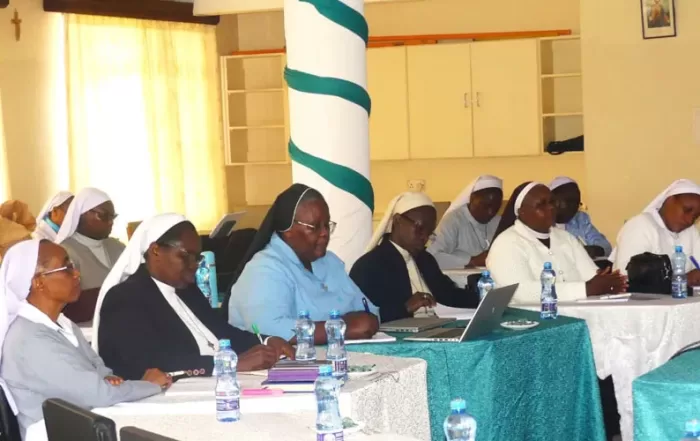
<point>425,296</point>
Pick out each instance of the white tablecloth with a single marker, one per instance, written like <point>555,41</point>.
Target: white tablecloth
<point>631,338</point>
<point>459,276</point>
<point>392,400</point>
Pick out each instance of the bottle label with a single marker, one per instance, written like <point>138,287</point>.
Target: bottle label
<point>224,404</point>
<point>340,366</point>
<point>329,436</point>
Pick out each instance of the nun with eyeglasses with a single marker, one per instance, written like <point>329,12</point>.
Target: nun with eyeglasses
<point>526,238</point>
<point>397,273</point>
<point>288,268</point>
<point>44,354</point>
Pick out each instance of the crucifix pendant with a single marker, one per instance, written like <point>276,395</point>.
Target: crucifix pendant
<point>18,25</point>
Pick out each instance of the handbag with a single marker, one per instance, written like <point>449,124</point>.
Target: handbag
<point>650,273</point>
<point>569,145</point>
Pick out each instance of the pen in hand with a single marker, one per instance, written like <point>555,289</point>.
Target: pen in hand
<point>257,332</point>
<point>364,303</point>
<point>695,262</point>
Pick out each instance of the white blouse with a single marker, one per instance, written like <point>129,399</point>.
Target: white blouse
<point>647,232</point>
<point>517,256</point>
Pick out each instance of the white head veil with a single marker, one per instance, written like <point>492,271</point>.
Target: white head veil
<point>86,199</point>
<point>55,201</point>
<point>559,181</point>
<point>481,183</point>
<point>128,263</point>
<point>16,273</point>
<point>521,197</point>
<point>681,186</point>
<point>399,205</point>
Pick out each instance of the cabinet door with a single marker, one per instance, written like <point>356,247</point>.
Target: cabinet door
<point>386,83</point>
<point>505,84</point>
<point>439,101</point>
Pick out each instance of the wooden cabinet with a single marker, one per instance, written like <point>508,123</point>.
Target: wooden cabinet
<point>386,83</point>
<point>439,101</point>
<point>505,76</point>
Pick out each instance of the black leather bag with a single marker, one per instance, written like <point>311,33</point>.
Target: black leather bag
<point>650,273</point>
<point>569,145</point>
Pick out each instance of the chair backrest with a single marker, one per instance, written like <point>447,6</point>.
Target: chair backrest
<point>9,427</point>
<point>68,422</point>
<point>135,434</point>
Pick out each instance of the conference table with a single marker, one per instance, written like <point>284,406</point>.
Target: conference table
<point>632,337</point>
<point>537,384</point>
<point>667,397</point>
<point>390,404</point>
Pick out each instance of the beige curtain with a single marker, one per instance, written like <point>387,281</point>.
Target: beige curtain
<point>144,116</point>
<point>4,171</point>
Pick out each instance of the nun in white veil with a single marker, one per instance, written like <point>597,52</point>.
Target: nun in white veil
<point>466,231</point>
<point>668,221</point>
<point>51,216</point>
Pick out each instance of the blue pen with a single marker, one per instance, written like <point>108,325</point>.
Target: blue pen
<point>695,262</point>
<point>364,302</point>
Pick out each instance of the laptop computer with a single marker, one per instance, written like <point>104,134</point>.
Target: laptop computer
<point>414,324</point>
<point>486,318</point>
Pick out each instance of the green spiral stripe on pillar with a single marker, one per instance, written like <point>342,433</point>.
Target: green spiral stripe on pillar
<point>340,176</point>
<point>342,15</point>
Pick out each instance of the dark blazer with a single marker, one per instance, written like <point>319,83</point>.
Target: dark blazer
<point>139,330</point>
<point>383,277</point>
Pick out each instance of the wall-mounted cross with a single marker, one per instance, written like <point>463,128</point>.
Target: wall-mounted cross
<point>18,25</point>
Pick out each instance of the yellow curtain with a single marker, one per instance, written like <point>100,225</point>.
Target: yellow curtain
<point>144,116</point>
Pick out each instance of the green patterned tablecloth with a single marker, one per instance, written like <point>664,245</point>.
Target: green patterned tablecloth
<point>667,397</point>
<point>532,385</point>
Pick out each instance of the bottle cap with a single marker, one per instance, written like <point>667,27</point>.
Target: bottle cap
<point>335,314</point>
<point>325,369</point>
<point>548,265</point>
<point>458,404</point>
<point>303,313</point>
<point>486,273</point>
<point>224,343</point>
<point>692,426</point>
<point>679,249</point>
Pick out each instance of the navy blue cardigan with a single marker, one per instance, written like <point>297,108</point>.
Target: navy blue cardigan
<point>383,277</point>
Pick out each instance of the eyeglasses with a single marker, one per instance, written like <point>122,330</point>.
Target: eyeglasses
<point>187,256</point>
<point>419,228</point>
<point>330,226</point>
<point>105,217</point>
<point>70,268</point>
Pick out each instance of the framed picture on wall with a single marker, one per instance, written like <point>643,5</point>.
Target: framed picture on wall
<point>658,18</point>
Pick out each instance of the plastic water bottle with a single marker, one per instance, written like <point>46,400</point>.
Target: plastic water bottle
<point>206,278</point>
<point>485,284</point>
<point>548,297</point>
<point>329,424</point>
<point>304,331</point>
<point>679,283</point>
<point>692,431</point>
<point>228,391</point>
<point>336,353</point>
<point>459,425</point>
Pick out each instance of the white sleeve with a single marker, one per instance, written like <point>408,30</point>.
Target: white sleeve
<point>587,269</point>
<point>444,248</point>
<point>635,238</point>
<point>508,264</point>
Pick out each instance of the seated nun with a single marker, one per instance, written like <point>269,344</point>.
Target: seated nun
<point>397,273</point>
<point>51,216</point>
<point>151,312</point>
<point>526,239</point>
<point>44,354</point>
<point>85,236</point>
<point>567,202</point>
<point>288,269</point>
<point>467,228</point>
<point>669,220</point>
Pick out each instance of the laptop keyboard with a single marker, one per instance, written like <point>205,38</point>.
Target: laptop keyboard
<point>450,333</point>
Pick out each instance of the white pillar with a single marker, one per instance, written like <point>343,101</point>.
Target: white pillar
<point>328,113</point>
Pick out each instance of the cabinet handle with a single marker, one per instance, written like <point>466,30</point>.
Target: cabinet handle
<point>466,100</point>
<point>478,99</point>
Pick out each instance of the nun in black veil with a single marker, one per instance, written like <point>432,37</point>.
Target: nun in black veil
<point>288,269</point>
